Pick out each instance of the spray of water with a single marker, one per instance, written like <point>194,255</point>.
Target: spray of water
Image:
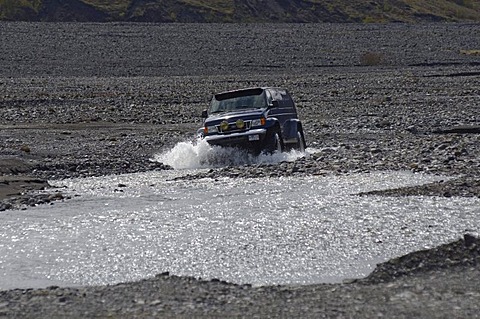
<point>200,154</point>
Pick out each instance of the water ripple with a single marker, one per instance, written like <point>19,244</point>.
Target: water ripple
<point>259,231</point>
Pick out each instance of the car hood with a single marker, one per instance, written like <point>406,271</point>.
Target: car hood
<point>232,116</point>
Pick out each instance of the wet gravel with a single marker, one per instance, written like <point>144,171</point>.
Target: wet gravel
<point>96,99</point>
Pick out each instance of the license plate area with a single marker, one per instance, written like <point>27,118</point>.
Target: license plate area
<point>254,137</point>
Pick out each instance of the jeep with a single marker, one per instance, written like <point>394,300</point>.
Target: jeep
<point>262,119</point>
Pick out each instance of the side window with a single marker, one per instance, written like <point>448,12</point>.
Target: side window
<point>287,100</point>
<point>284,99</point>
<point>268,94</point>
<point>276,96</point>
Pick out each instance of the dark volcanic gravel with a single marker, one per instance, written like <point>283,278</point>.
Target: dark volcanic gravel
<point>96,99</point>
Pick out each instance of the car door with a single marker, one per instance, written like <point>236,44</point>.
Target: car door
<point>286,114</point>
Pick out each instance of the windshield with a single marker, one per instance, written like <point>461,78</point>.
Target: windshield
<point>238,101</point>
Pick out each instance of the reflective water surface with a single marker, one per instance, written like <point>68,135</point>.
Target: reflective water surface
<point>260,231</point>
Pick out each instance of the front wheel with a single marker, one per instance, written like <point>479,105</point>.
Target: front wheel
<point>300,142</point>
<point>274,142</point>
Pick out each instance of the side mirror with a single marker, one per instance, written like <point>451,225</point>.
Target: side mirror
<point>204,114</point>
<point>275,103</point>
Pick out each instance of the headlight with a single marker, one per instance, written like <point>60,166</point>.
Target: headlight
<point>259,122</point>
<point>210,129</point>
<point>240,124</point>
<point>224,126</point>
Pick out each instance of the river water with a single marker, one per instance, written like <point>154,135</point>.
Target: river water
<point>262,231</point>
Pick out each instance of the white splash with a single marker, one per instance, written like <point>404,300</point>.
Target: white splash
<point>200,154</point>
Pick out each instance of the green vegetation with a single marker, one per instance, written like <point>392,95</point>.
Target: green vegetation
<point>223,6</point>
<point>116,8</point>
<point>11,9</point>
<point>374,11</point>
<point>451,10</point>
<point>408,10</point>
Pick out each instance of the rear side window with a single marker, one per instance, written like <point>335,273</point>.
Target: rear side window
<point>283,97</point>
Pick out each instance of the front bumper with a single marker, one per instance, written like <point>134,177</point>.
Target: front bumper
<point>250,138</point>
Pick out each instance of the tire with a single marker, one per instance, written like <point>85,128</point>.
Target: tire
<point>301,146</point>
<point>274,142</point>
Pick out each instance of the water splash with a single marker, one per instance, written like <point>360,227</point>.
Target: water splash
<point>200,154</point>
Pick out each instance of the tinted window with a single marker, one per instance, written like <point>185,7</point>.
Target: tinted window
<point>233,94</point>
<point>238,100</point>
<point>284,99</point>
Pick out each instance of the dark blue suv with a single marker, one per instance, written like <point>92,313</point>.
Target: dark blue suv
<point>257,119</point>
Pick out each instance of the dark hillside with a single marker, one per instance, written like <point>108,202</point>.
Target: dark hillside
<point>72,10</point>
<point>242,10</point>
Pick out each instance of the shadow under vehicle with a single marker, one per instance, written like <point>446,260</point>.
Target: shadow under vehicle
<point>262,119</point>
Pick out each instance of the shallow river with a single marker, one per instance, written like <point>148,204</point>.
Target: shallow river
<point>260,231</point>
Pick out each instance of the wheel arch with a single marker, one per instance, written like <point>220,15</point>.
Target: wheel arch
<point>290,129</point>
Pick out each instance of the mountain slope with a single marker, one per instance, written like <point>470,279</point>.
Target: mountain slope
<point>241,10</point>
